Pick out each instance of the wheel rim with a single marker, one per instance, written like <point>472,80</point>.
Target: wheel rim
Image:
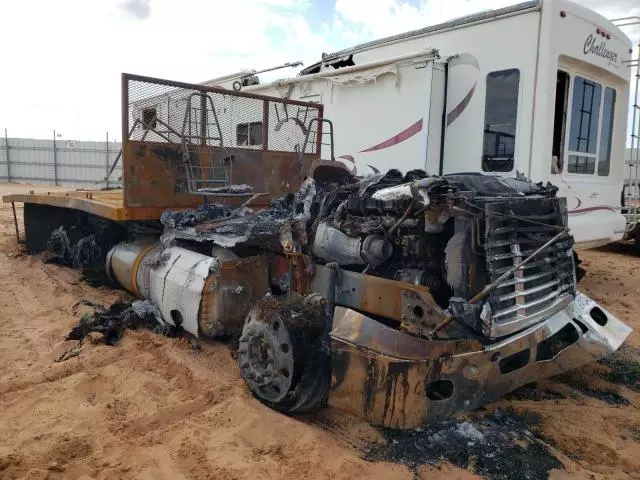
<point>266,357</point>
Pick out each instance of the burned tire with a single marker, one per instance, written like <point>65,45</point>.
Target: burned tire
<point>285,354</point>
<point>580,272</point>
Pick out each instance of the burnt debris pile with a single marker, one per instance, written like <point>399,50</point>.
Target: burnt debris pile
<point>112,321</point>
<point>79,249</point>
<point>82,241</point>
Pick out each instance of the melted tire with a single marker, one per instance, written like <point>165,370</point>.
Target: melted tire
<point>310,356</point>
<point>312,390</point>
<point>580,272</point>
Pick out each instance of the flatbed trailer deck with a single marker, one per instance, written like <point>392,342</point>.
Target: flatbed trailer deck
<point>106,204</point>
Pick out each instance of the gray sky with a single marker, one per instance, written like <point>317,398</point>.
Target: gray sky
<point>62,59</point>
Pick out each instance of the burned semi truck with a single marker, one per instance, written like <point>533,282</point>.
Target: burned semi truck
<point>399,297</point>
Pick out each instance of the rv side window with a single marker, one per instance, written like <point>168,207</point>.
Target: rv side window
<point>501,110</point>
<point>560,121</point>
<point>585,115</point>
<point>606,132</point>
<point>249,134</point>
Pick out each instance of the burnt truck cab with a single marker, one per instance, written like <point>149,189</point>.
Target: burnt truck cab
<point>443,319</point>
<point>399,297</point>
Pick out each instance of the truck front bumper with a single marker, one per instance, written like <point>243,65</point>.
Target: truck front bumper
<point>397,380</point>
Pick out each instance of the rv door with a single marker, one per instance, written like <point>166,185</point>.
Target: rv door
<point>586,110</point>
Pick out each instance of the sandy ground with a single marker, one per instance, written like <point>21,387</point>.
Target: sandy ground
<point>153,408</point>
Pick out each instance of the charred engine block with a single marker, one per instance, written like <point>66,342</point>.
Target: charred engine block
<point>453,234</point>
<point>382,227</point>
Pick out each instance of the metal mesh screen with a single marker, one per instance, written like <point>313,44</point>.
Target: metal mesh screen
<point>165,111</point>
<point>288,125</point>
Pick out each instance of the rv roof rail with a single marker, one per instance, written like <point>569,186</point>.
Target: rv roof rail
<point>248,73</point>
<point>427,54</point>
<point>625,21</point>
<point>480,17</point>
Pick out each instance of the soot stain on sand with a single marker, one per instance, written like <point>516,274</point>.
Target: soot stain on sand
<point>500,445</point>
<point>624,367</point>
<point>533,392</point>
<point>583,386</point>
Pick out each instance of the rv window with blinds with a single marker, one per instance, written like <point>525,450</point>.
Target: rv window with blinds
<point>583,133</point>
<point>500,114</point>
<point>606,132</point>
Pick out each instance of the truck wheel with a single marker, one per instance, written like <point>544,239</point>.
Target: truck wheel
<point>285,355</point>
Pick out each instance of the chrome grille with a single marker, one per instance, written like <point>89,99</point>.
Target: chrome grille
<point>516,228</point>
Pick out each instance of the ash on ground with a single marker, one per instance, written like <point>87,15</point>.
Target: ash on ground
<point>112,321</point>
<point>501,445</point>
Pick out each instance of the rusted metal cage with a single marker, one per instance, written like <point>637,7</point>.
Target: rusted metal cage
<point>214,127</point>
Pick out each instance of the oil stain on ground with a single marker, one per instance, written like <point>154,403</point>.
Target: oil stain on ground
<point>501,445</point>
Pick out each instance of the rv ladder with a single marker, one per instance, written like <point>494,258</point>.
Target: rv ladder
<point>631,200</point>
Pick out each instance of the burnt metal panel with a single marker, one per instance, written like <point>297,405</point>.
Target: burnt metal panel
<point>180,140</point>
<point>404,382</point>
<point>229,293</point>
<point>411,306</point>
<point>154,174</point>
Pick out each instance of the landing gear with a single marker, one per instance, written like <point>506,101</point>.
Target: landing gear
<point>285,353</point>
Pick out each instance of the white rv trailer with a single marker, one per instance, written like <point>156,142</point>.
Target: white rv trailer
<point>539,88</point>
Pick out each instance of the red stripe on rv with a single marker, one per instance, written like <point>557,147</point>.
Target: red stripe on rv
<point>591,209</point>
<point>396,139</point>
<point>457,111</point>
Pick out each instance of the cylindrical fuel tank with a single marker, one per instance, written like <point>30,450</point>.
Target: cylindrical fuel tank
<point>209,295</point>
<point>130,263</point>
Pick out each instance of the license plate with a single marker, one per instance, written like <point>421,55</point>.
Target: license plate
<point>583,301</point>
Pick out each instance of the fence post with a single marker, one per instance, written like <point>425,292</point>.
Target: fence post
<point>6,146</point>
<point>265,127</point>
<point>106,178</point>
<point>55,160</point>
